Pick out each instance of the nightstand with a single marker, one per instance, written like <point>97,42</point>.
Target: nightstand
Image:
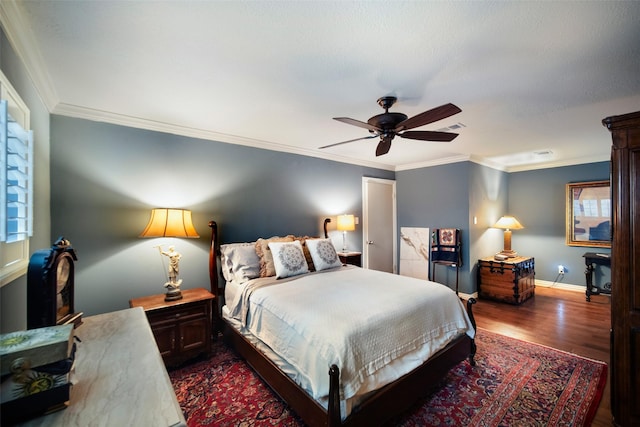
<point>353,258</point>
<point>182,328</point>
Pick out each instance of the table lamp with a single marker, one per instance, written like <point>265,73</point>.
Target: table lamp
<point>170,223</point>
<point>345,223</point>
<point>508,223</point>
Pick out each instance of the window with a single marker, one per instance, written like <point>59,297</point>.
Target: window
<point>16,184</point>
<point>590,207</point>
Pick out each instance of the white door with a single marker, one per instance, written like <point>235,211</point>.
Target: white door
<point>379,224</point>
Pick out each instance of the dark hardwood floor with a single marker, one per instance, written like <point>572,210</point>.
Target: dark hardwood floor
<point>560,319</point>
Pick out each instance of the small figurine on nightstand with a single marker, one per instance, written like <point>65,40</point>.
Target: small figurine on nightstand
<point>173,285</point>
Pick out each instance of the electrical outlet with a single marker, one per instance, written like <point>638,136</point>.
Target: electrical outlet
<point>561,269</point>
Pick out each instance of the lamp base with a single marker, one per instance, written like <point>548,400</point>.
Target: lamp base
<point>508,253</point>
<point>173,290</point>
<point>173,295</point>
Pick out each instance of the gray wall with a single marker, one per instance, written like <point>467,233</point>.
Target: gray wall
<point>13,296</point>
<point>473,197</point>
<point>437,197</point>
<point>461,195</point>
<point>488,201</point>
<point>106,178</point>
<point>538,200</point>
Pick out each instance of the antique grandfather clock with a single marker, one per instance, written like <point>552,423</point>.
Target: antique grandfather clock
<point>50,286</point>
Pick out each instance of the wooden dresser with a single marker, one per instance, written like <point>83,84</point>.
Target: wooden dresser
<point>511,281</point>
<point>120,379</point>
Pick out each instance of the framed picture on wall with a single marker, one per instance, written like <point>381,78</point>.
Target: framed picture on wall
<point>589,214</point>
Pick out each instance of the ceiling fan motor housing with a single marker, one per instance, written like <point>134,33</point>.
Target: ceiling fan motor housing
<point>387,121</point>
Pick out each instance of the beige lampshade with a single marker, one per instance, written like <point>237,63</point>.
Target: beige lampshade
<point>508,223</point>
<point>346,223</point>
<point>170,223</point>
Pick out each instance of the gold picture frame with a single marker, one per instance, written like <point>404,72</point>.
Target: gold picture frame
<point>588,215</point>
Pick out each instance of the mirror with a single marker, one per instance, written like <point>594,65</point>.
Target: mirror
<point>589,214</point>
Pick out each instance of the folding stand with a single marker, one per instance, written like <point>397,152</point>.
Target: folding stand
<point>446,250</point>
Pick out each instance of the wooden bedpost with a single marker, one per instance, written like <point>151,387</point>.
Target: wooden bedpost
<point>472,354</point>
<point>333,407</point>
<point>324,226</point>
<point>213,274</point>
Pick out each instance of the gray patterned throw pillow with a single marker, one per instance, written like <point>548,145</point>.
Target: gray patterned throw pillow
<point>288,258</point>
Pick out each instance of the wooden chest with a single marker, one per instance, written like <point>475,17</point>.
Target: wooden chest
<point>511,281</point>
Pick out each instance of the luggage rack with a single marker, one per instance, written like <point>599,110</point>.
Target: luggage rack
<point>446,250</point>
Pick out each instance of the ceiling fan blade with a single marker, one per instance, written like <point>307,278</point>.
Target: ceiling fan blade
<point>346,142</point>
<point>383,147</point>
<point>427,135</point>
<point>358,123</point>
<point>430,116</point>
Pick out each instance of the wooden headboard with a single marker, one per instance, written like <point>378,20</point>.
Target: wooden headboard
<point>214,274</point>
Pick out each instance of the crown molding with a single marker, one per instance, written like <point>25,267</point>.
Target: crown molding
<point>488,163</point>
<point>558,164</point>
<point>140,123</point>
<point>436,162</point>
<point>16,29</point>
<point>156,126</point>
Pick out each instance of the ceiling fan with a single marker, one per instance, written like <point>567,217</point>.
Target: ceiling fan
<point>388,125</point>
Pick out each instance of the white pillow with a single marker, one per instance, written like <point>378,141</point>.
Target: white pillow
<point>288,258</point>
<point>239,261</point>
<point>225,267</point>
<point>323,253</point>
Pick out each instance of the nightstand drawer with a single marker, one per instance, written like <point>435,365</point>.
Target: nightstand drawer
<point>174,313</point>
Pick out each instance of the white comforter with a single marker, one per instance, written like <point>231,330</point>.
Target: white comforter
<point>374,326</point>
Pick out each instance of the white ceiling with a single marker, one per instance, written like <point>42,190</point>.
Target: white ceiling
<point>528,76</point>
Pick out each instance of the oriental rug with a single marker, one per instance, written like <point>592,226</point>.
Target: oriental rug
<point>513,383</point>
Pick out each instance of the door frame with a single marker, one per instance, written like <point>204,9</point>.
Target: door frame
<point>365,220</point>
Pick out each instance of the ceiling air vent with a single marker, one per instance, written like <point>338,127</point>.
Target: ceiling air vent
<point>543,153</point>
<point>453,127</point>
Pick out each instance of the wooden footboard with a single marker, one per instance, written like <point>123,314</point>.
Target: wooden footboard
<point>402,394</point>
<point>383,404</point>
<point>379,407</point>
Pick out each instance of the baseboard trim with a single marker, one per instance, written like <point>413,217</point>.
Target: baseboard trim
<point>542,284</point>
<point>563,286</point>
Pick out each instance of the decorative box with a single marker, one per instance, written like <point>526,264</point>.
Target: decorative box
<point>36,366</point>
<point>511,280</point>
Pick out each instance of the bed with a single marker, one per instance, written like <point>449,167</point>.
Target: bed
<point>340,344</point>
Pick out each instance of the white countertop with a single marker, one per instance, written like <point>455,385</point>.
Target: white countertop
<point>120,378</point>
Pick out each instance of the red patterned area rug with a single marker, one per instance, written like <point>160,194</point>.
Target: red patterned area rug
<point>513,383</point>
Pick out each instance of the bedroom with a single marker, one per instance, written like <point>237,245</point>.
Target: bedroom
<point>98,195</point>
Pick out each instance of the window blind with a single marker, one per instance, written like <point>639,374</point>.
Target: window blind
<point>16,187</point>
